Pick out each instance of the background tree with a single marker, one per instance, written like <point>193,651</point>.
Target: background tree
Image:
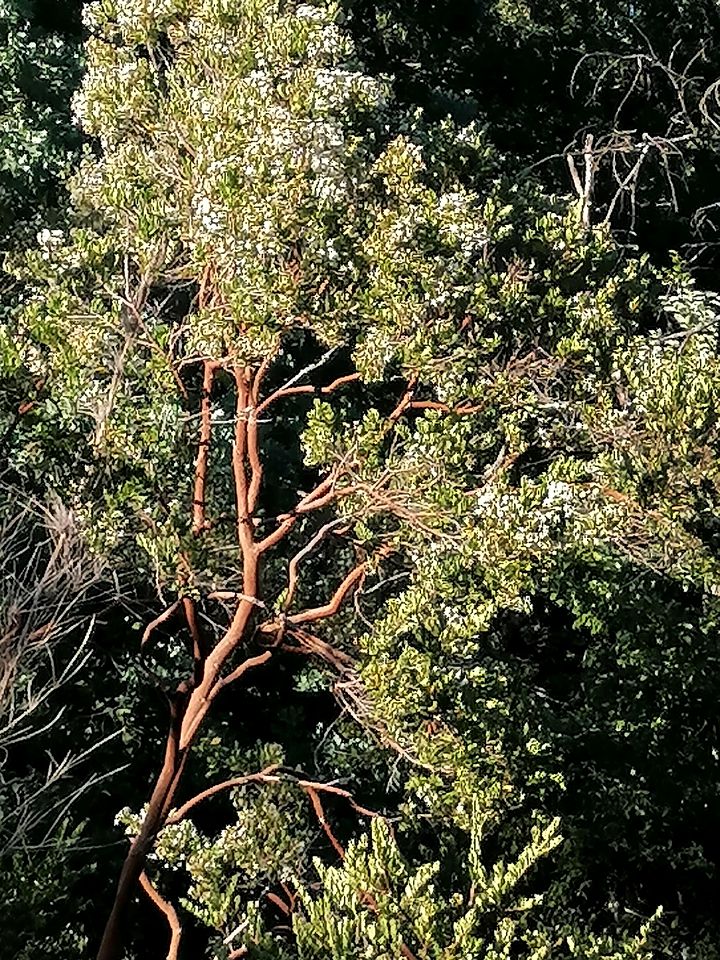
<point>39,69</point>
<point>640,78</point>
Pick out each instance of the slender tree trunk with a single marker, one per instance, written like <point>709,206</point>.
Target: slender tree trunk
<point>160,803</point>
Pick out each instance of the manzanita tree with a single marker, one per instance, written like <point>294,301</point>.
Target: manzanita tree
<point>267,257</point>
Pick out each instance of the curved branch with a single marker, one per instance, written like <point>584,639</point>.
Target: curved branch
<point>169,913</point>
<point>271,774</point>
<point>154,624</point>
<point>309,388</point>
<point>288,520</point>
<point>183,811</point>
<point>239,671</point>
<point>308,548</point>
<point>198,708</point>
<point>331,608</point>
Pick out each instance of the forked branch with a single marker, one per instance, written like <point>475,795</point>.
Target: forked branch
<point>322,820</point>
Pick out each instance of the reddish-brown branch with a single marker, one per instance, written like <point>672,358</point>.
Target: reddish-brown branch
<point>256,468</point>
<point>192,701</point>
<point>279,903</point>
<point>404,400</point>
<point>154,624</point>
<point>272,539</point>
<point>288,521</point>
<point>271,774</point>
<point>194,696</point>
<point>301,554</point>
<point>259,377</point>
<point>320,814</point>
<point>189,608</point>
<point>168,912</point>
<point>196,711</point>
<point>239,671</point>
<point>406,952</point>
<point>183,811</point>
<point>337,846</point>
<point>199,519</point>
<point>331,608</point>
<point>319,502</point>
<point>292,898</point>
<point>295,391</point>
<point>240,451</point>
<point>111,944</point>
<point>198,651</point>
